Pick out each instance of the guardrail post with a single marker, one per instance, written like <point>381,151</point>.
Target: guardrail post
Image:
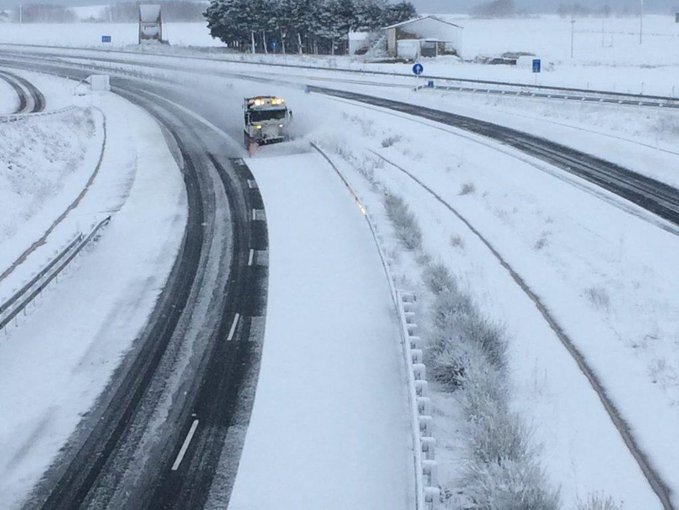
<point>432,496</point>
<point>421,388</point>
<point>419,372</point>
<point>428,445</point>
<point>425,425</point>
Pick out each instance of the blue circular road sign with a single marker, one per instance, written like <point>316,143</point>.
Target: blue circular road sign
<point>418,69</point>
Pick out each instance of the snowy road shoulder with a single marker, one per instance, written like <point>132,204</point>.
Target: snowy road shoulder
<point>55,363</point>
<point>330,421</point>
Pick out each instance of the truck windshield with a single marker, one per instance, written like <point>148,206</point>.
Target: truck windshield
<point>264,115</point>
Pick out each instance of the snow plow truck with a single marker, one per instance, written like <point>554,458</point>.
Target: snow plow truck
<point>266,120</point>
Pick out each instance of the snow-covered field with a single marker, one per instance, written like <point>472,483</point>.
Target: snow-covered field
<point>605,270</point>
<point>607,53</point>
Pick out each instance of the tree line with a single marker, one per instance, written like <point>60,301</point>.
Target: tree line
<point>122,12</point>
<point>299,26</point>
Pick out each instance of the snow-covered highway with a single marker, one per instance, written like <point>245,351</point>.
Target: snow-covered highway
<point>325,285</point>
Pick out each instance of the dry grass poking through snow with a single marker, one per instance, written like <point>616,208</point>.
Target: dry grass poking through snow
<point>468,356</point>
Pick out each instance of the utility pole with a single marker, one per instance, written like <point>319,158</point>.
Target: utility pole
<point>641,23</point>
<point>572,35</point>
<point>21,13</point>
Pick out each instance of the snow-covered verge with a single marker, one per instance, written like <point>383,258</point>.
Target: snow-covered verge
<point>330,424</point>
<point>582,261</point>
<point>44,164</point>
<point>56,361</point>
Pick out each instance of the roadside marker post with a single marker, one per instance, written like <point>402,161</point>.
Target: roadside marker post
<point>537,68</point>
<point>418,69</point>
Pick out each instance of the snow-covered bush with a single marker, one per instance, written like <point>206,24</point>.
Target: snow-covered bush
<point>598,502</point>
<point>508,485</point>
<point>404,222</point>
<point>468,356</point>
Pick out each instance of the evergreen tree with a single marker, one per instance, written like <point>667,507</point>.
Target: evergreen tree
<point>299,25</point>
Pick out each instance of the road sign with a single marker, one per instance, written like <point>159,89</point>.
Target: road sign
<point>537,65</point>
<point>418,69</point>
<point>106,38</point>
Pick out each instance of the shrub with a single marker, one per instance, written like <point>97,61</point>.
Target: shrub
<point>598,502</point>
<point>404,222</point>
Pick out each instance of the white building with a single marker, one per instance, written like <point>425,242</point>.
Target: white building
<point>428,36</point>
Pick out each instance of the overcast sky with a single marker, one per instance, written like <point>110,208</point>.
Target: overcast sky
<point>441,6</point>
<point>463,6</point>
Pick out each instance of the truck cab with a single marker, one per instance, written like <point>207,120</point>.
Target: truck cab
<point>266,120</point>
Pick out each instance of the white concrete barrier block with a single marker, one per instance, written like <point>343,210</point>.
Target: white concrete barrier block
<point>419,372</point>
<point>417,356</point>
<point>99,82</point>
<point>412,329</point>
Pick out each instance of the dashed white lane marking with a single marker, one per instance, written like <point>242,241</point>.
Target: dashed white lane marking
<point>185,446</point>
<point>252,257</point>
<point>254,215</point>
<point>232,331</point>
<point>252,184</point>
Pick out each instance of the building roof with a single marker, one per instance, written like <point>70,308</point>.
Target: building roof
<point>421,18</point>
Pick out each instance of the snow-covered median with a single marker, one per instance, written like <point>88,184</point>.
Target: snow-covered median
<point>330,424</point>
<point>60,357</point>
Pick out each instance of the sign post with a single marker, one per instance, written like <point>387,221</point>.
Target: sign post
<point>418,69</point>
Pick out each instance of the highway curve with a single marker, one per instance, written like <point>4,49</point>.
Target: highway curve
<point>31,99</point>
<point>650,194</point>
<point>191,374</point>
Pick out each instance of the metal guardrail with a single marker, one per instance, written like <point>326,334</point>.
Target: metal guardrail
<point>464,84</point>
<point>424,463</point>
<point>24,296</point>
<point>13,117</point>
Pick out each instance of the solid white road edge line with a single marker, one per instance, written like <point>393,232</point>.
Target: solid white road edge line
<point>185,446</point>
<point>232,331</point>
